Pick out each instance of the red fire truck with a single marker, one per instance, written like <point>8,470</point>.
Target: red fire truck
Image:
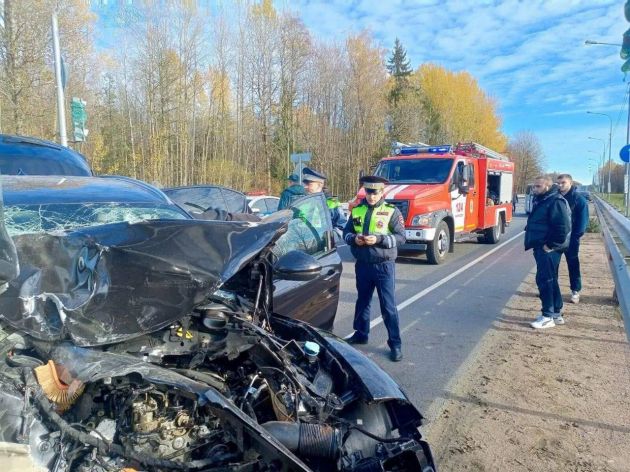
<point>447,192</point>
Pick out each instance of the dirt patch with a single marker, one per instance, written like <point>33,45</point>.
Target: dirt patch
<point>551,400</point>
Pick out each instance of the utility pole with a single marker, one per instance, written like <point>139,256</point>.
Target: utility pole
<point>626,182</point>
<point>61,113</point>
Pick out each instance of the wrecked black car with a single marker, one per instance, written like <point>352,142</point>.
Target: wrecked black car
<point>154,346</point>
<point>38,204</point>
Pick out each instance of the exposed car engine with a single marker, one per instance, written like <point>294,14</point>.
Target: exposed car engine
<point>128,413</point>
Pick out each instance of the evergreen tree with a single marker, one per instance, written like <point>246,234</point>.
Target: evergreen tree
<point>399,70</point>
<point>398,64</point>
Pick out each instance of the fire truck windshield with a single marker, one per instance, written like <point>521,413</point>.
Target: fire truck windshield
<point>415,171</point>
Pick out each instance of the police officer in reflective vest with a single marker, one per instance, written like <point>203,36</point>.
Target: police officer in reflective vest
<point>314,183</point>
<point>374,232</point>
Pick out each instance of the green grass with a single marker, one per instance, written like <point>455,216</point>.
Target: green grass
<point>616,200</point>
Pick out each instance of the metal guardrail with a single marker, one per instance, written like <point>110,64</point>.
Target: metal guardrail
<point>616,231</point>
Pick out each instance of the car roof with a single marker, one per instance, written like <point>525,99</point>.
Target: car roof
<point>255,198</point>
<point>169,189</point>
<point>24,147</point>
<point>35,189</point>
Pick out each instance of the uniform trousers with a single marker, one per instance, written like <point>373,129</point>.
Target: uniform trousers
<point>379,276</point>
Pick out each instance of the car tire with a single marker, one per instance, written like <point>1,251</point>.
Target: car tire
<point>438,248</point>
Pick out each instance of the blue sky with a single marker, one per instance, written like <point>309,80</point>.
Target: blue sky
<point>529,55</point>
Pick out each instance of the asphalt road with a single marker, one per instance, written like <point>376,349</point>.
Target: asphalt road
<point>444,310</point>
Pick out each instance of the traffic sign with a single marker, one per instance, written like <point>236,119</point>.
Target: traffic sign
<point>625,153</point>
<point>79,118</point>
<point>300,157</point>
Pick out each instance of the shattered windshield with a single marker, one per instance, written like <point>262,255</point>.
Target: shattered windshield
<point>25,219</point>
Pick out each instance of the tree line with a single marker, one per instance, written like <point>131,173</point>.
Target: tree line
<point>189,95</point>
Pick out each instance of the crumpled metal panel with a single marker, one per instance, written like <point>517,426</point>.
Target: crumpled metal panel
<point>110,283</point>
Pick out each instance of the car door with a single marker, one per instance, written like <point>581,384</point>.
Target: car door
<point>195,200</point>
<point>236,202</point>
<point>310,230</point>
<point>272,204</point>
<point>259,207</point>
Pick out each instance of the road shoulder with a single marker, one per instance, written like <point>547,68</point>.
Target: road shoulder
<point>546,400</point>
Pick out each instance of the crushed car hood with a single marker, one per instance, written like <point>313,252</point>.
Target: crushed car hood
<point>110,283</point>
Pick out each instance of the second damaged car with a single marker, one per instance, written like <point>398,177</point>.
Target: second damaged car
<point>154,346</point>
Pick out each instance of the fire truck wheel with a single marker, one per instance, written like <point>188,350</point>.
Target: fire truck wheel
<point>492,235</point>
<point>438,248</point>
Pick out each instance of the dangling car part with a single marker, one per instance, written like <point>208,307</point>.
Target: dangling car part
<point>154,346</point>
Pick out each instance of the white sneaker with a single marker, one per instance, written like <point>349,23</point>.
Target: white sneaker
<point>575,297</point>
<point>558,320</point>
<point>542,322</point>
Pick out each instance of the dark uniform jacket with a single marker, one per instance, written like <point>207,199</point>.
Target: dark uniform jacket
<point>290,194</point>
<point>386,247</point>
<point>579,213</point>
<point>549,222</point>
<point>336,214</point>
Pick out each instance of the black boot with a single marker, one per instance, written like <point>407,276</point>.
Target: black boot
<point>356,338</point>
<point>396,354</point>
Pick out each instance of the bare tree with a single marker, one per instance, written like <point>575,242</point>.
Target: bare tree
<point>526,152</point>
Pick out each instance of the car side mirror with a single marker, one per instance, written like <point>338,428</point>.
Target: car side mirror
<point>463,178</point>
<point>297,265</point>
<point>255,211</point>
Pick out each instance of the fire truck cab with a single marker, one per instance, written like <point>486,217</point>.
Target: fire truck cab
<point>447,192</point>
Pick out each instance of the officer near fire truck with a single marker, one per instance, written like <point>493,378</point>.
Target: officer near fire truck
<point>374,232</point>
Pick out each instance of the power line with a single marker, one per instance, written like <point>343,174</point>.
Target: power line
<point>622,108</point>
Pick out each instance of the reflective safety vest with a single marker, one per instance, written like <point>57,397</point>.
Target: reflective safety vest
<point>379,222</point>
<point>332,203</point>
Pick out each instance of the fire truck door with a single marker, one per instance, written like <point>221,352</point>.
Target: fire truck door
<point>458,196</point>
<point>471,171</point>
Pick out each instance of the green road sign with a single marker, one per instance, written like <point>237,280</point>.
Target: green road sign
<point>79,118</point>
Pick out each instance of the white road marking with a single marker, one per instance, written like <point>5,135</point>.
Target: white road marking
<point>405,329</point>
<point>451,294</point>
<point>426,291</point>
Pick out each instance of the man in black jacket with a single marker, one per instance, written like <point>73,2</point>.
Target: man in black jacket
<point>579,221</point>
<point>547,232</point>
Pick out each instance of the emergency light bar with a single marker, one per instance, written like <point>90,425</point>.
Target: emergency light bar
<point>410,149</point>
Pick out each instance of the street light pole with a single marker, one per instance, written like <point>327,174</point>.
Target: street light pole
<point>588,42</point>
<point>597,167</point>
<point>61,114</point>
<point>609,146</point>
<point>626,182</point>
<point>601,173</point>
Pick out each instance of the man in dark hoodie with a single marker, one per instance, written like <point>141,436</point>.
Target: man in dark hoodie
<point>374,232</point>
<point>579,221</point>
<point>292,192</point>
<point>548,232</point>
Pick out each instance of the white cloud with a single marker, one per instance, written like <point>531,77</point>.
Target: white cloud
<point>529,55</point>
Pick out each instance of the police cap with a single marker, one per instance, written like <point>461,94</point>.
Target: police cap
<point>293,178</point>
<point>373,182</point>
<point>310,175</point>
